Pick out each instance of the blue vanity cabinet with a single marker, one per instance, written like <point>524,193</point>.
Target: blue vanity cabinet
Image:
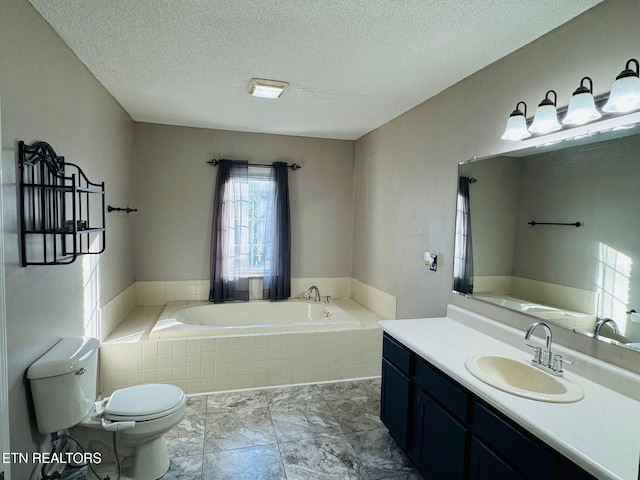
<point>487,465</point>
<point>440,433</point>
<point>513,450</point>
<point>397,389</point>
<point>451,434</point>
<point>502,449</point>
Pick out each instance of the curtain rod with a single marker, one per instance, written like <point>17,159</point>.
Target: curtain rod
<point>573,224</point>
<point>294,166</point>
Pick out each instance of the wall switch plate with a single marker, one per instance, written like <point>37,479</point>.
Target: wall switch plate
<point>431,260</point>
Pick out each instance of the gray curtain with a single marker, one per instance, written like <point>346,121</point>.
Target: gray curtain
<point>463,254</point>
<point>277,275</point>
<point>229,233</point>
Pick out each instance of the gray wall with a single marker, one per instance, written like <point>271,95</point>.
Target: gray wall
<point>593,184</point>
<point>174,191</point>
<point>494,206</point>
<point>47,94</point>
<point>406,170</point>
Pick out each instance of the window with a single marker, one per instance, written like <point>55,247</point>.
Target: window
<point>259,197</point>
<point>251,231</point>
<point>247,224</point>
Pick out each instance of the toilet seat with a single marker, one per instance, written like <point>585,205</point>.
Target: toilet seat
<point>143,402</point>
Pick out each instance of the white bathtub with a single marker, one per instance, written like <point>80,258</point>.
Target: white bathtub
<point>567,318</point>
<point>204,319</point>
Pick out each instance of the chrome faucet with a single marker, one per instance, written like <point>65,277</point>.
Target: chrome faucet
<point>545,359</point>
<point>601,322</point>
<point>541,357</point>
<point>307,294</point>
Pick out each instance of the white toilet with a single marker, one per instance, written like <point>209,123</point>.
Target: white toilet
<point>64,386</point>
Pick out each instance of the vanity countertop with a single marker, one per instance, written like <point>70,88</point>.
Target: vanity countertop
<point>601,432</point>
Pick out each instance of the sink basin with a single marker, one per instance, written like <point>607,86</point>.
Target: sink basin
<point>523,379</point>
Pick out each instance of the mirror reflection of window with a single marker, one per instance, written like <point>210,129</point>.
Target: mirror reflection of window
<point>463,251</point>
<point>613,282</point>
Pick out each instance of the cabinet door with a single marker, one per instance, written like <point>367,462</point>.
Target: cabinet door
<point>486,465</point>
<point>395,403</point>
<point>440,441</point>
<point>518,447</point>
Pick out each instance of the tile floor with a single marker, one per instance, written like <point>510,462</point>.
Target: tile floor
<point>321,431</point>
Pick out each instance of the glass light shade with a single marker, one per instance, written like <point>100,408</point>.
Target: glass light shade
<point>582,109</point>
<point>624,96</point>
<point>516,128</point>
<point>266,91</point>
<point>545,120</point>
<point>266,88</point>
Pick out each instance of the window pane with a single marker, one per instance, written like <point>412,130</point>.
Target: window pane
<point>252,240</point>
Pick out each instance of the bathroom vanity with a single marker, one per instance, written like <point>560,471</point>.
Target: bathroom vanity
<point>454,426</point>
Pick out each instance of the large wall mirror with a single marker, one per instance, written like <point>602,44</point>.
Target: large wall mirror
<point>554,232</point>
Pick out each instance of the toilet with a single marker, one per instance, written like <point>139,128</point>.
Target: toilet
<point>64,387</point>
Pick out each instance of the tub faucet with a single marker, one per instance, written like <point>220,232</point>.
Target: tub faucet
<point>307,294</point>
<point>601,322</point>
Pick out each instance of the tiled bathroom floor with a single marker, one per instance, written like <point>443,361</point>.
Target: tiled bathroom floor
<point>322,431</point>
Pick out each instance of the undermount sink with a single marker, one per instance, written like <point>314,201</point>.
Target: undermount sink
<point>523,379</point>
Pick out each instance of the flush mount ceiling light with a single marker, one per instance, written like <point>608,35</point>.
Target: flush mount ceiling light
<point>259,87</point>
<point>625,91</point>
<point>517,124</point>
<point>582,107</point>
<point>546,118</point>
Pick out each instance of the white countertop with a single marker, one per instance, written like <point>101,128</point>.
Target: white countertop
<point>601,432</point>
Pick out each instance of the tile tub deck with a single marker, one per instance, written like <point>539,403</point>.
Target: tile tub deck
<point>199,365</point>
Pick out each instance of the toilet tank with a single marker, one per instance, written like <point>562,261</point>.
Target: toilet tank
<point>64,383</point>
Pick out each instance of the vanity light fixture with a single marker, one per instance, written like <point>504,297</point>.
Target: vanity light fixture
<point>545,119</point>
<point>262,88</point>
<point>625,91</point>
<point>582,107</point>
<point>516,128</point>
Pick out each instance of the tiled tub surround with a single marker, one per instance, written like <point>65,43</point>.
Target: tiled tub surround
<point>601,432</point>
<point>573,300</point>
<point>101,322</point>
<point>128,357</point>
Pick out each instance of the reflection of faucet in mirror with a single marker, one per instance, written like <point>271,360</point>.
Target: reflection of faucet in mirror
<point>601,322</point>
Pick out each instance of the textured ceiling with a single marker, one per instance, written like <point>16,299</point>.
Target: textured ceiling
<point>352,65</point>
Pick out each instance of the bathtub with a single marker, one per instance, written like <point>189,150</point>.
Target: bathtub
<point>517,304</point>
<point>566,318</point>
<point>204,319</point>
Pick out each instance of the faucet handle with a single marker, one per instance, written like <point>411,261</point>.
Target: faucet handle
<point>326,299</point>
<point>557,364</point>
<point>537,353</point>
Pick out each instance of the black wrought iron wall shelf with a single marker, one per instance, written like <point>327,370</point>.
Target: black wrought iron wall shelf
<point>62,213</point>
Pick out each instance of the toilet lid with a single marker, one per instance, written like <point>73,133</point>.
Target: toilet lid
<point>144,402</point>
